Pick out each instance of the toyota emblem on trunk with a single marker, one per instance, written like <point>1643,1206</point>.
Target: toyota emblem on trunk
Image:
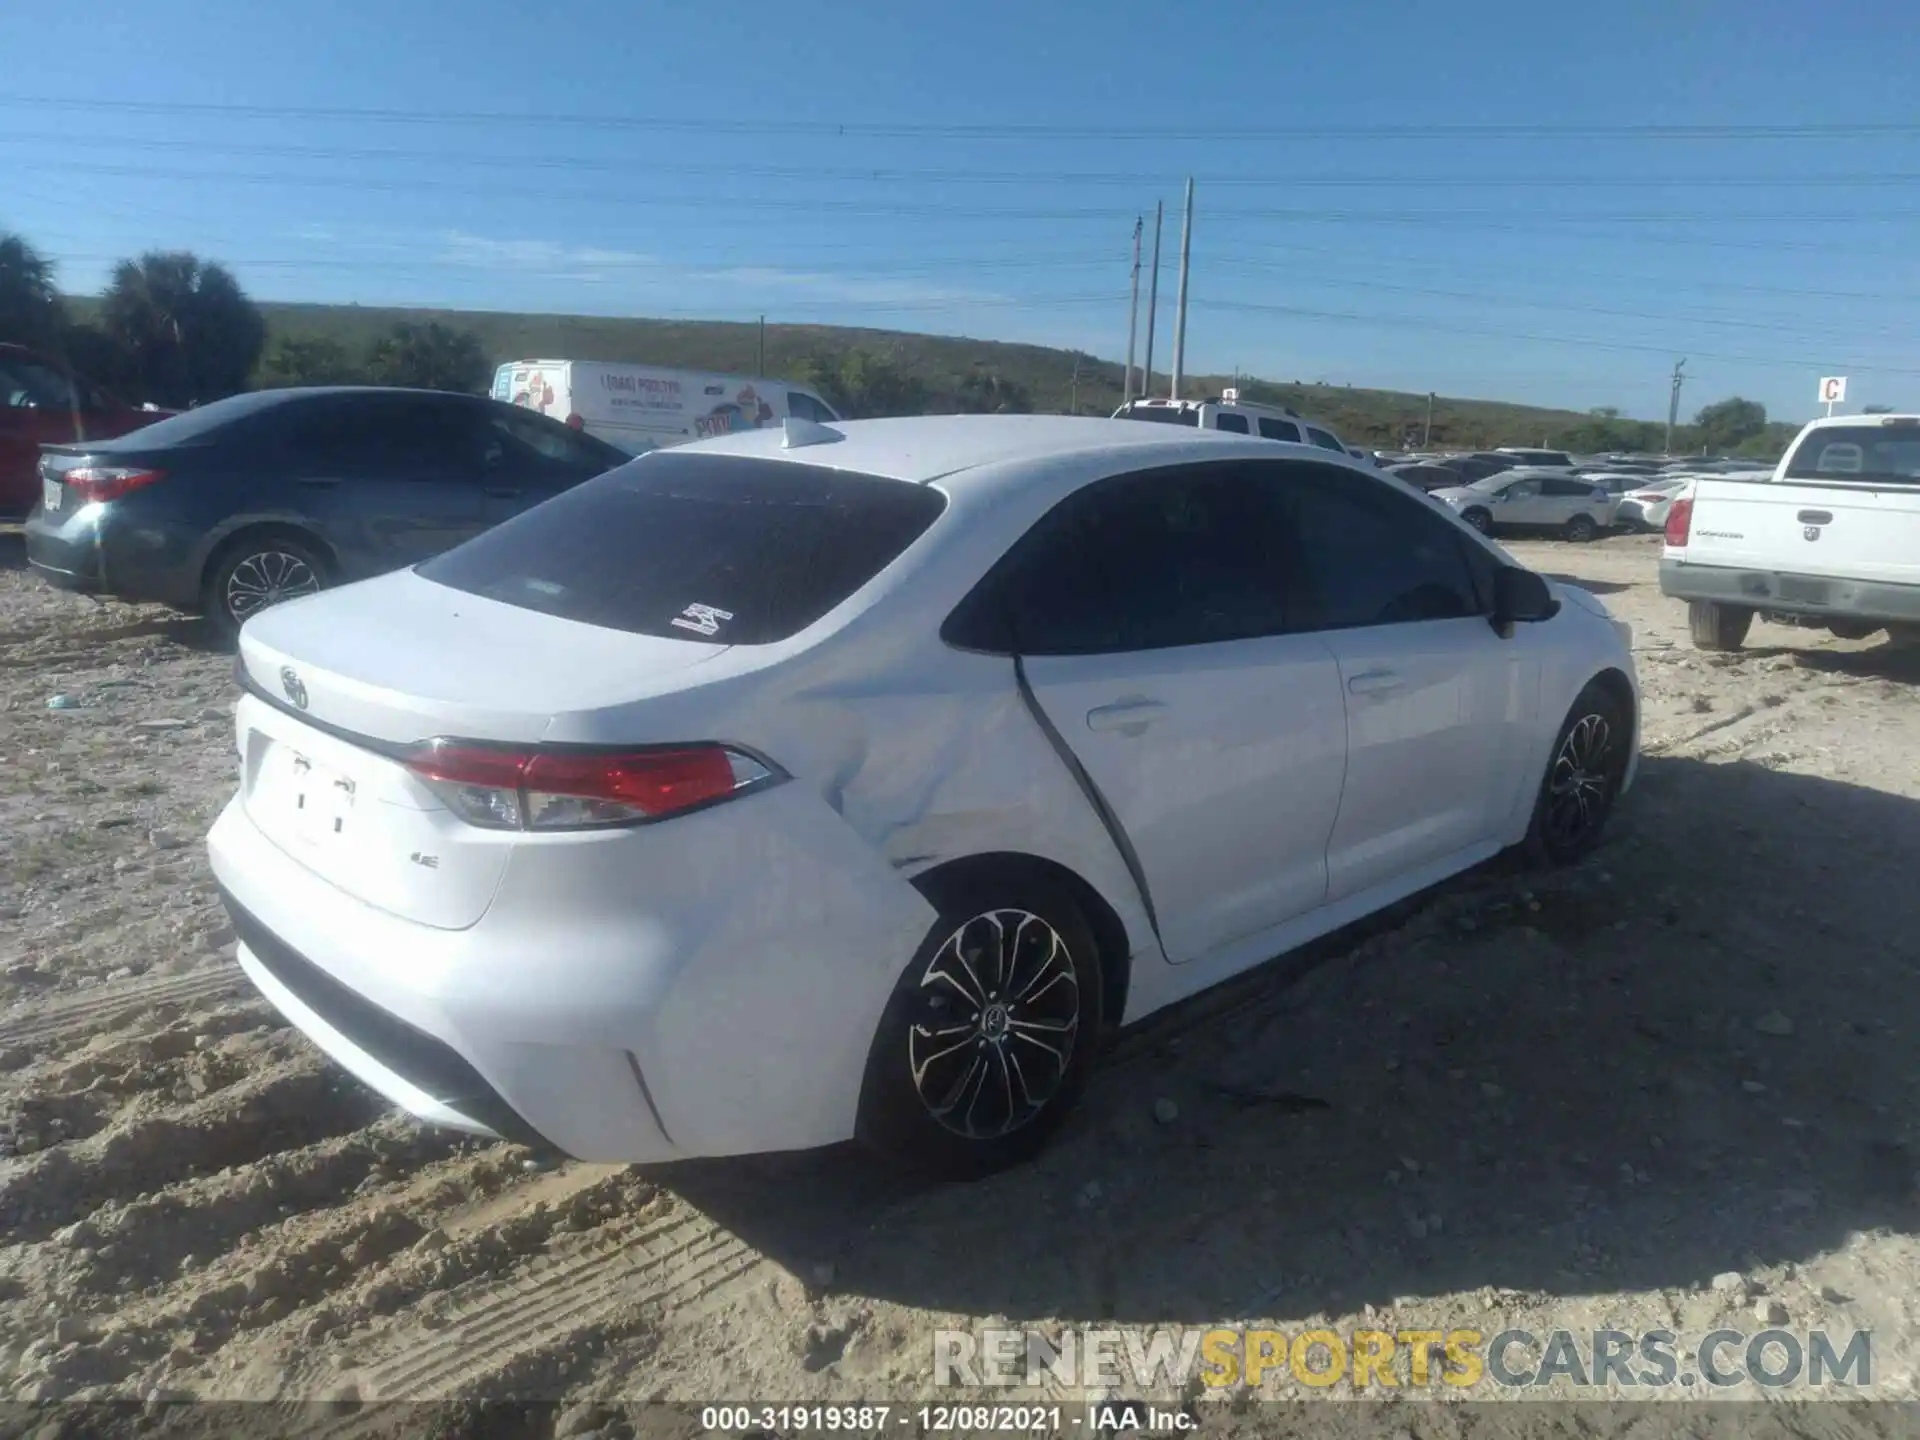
<point>295,687</point>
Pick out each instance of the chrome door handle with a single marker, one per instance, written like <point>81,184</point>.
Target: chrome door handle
<point>1375,682</point>
<point>1127,716</point>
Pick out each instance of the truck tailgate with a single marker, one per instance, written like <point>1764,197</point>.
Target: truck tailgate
<point>1848,531</point>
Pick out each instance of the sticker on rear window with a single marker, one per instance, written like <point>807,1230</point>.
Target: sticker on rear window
<point>702,619</point>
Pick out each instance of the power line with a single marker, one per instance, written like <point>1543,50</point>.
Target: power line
<point>889,174</point>
<point>1421,322</point>
<point>731,125</point>
<point>1666,282</point>
<point>1108,213</point>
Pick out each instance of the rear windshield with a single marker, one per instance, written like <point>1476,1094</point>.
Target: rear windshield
<point>719,548</point>
<point>1164,414</point>
<point>200,422</point>
<point>1890,454</point>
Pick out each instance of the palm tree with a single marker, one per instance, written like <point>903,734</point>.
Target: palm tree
<point>190,332</point>
<point>30,308</point>
<point>431,357</point>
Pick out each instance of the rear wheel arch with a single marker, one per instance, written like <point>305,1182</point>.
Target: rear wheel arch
<point>255,530</point>
<point>1109,931</point>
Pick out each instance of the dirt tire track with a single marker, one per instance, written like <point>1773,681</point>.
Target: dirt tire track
<point>546,1302</point>
<point>86,1014</point>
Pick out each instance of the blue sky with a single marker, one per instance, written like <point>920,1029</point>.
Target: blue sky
<point>1411,195</point>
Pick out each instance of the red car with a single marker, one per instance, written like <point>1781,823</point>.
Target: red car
<point>44,403</point>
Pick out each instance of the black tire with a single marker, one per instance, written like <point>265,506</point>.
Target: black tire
<point>255,570</point>
<point>950,1090</point>
<point>1718,627</point>
<point>1581,529</point>
<point>1584,770</point>
<point>1479,519</point>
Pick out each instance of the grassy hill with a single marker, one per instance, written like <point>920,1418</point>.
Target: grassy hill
<point>941,362</point>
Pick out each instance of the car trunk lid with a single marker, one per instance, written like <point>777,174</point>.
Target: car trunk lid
<point>343,686</point>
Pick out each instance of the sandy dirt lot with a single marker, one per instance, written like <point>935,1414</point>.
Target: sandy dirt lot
<point>1563,1100</point>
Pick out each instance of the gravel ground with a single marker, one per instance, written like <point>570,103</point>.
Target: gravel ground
<point>1549,1101</point>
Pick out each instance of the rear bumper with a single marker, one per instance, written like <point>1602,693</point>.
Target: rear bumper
<point>1784,593</point>
<point>97,550</point>
<point>722,1005</point>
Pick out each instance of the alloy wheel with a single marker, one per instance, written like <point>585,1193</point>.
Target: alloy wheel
<point>1579,788</point>
<point>265,578</point>
<point>996,1023</point>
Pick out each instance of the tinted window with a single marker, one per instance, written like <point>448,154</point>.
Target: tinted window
<point>1188,555</point>
<point>696,547</point>
<point>1374,557</point>
<point>259,407</point>
<point>552,441</point>
<point>1236,423</point>
<point>1325,441</point>
<point>29,385</point>
<point>1887,453</point>
<point>1163,414</point>
<point>1279,430</point>
<point>397,434</point>
<point>1569,489</point>
<point>805,407</point>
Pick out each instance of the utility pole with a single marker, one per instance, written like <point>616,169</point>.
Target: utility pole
<point>1153,298</point>
<point>1673,405</point>
<point>1180,312</point>
<point>763,347</point>
<point>1133,312</point>
<point>1426,435</point>
<point>1073,391</point>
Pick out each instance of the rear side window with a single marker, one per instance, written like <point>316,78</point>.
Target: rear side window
<point>551,440</point>
<point>1236,423</point>
<point>1188,555</point>
<point>1889,454</point>
<point>1279,430</point>
<point>1162,414</point>
<point>1571,489</point>
<point>720,548</point>
<point>805,407</point>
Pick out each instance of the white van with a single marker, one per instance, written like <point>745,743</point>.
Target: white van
<point>644,407</point>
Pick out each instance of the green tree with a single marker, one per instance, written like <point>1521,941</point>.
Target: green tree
<point>1728,424</point>
<point>863,386</point>
<point>430,356</point>
<point>189,331</point>
<point>309,360</point>
<point>30,308</point>
<point>984,392</point>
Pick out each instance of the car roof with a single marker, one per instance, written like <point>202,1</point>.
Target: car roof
<point>935,447</point>
<point>1897,418</point>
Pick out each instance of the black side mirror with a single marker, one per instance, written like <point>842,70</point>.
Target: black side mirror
<point>1519,596</point>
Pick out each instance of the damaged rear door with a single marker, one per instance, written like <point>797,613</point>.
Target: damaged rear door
<point>1149,615</point>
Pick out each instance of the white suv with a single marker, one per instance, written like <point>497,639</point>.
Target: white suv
<point>1242,417</point>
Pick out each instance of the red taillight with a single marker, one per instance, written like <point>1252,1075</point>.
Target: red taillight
<point>1679,522</point>
<point>91,484</point>
<point>511,789</point>
<point>574,422</point>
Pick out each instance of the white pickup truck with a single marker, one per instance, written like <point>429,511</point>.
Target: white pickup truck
<point>1830,539</point>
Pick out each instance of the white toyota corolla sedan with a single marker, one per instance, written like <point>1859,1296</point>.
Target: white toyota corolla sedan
<point>805,784</point>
